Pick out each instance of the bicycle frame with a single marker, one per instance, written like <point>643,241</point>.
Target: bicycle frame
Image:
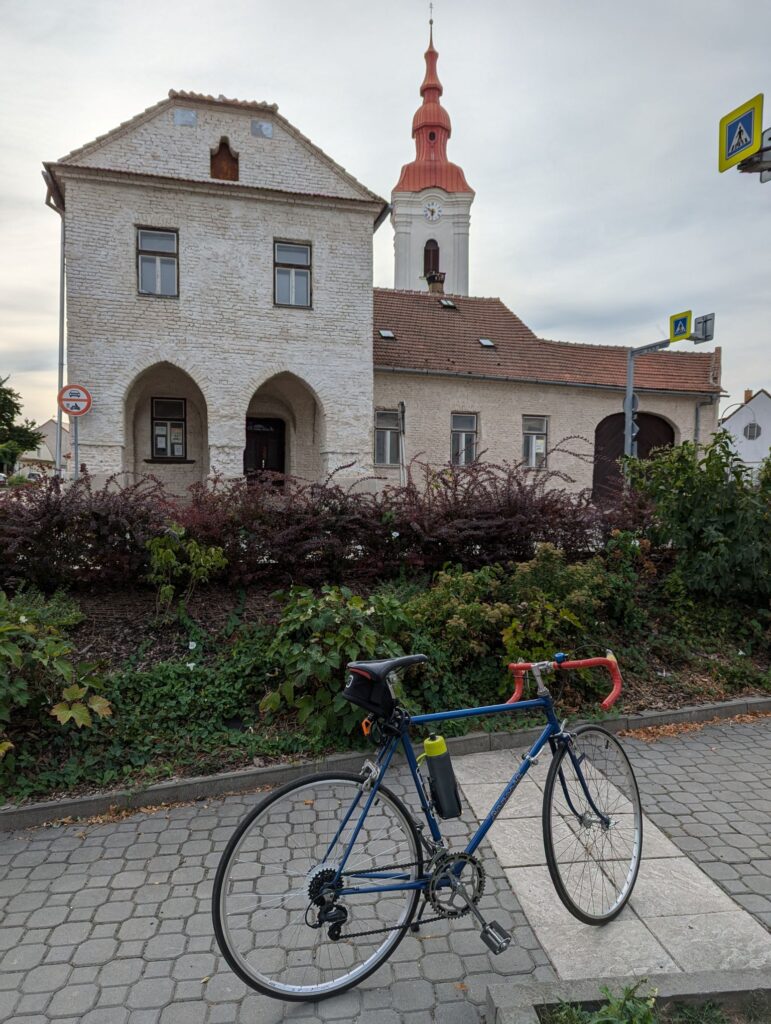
<point>551,733</point>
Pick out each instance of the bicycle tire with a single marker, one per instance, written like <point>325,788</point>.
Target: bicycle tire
<point>282,937</point>
<point>585,853</point>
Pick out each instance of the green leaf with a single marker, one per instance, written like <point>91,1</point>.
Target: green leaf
<point>81,715</point>
<point>62,712</point>
<point>100,706</point>
<point>74,692</point>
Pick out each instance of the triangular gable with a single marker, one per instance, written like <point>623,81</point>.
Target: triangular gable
<point>272,153</point>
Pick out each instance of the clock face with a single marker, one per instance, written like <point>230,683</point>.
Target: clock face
<point>432,211</point>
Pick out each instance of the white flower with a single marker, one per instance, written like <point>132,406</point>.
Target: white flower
<point>191,665</point>
<point>192,645</point>
<point>740,653</point>
<point>22,619</point>
<point>394,534</point>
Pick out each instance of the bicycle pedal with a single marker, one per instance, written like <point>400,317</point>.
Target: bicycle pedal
<point>495,938</point>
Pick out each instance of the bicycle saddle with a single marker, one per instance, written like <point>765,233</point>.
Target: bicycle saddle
<point>379,670</point>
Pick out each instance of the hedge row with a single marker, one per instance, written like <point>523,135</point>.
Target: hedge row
<point>54,536</point>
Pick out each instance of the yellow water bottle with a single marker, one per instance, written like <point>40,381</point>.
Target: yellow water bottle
<point>444,788</point>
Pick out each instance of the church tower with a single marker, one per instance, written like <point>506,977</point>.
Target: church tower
<point>432,199</point>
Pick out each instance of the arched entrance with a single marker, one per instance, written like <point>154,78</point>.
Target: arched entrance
<point>284,429</point>
<point>655,432</point>
<point>166,432</point>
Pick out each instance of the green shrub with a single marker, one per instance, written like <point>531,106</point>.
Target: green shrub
<point>178,564</point>
<point>713,514</point>
<point>314,640</point>
<point>38,672</point>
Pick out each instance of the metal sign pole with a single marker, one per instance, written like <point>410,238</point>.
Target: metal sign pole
<point>628,402</point>
<point>75,447</point>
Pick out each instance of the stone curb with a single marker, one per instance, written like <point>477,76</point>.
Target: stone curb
<point>247,779</point>
<point>515,1002</point>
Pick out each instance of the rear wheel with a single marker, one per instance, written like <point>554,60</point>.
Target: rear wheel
<point>285,923</point>
<point>592,825</point>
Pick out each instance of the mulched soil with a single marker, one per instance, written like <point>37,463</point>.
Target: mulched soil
<point>123,625</point>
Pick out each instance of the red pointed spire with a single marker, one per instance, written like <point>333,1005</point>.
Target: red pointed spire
<point>431,128</point>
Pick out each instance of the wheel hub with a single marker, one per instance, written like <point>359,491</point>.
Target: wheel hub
<point>322,888</point>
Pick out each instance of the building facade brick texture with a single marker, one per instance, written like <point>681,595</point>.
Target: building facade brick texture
<point>224,346</point>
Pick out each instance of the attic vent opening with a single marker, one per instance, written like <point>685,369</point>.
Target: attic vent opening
<point>224,162</point>
<point>447,304</point>
<point>184,118</point>
<point>386,334</point>
<point>487,343</point>
<point>262,129</point>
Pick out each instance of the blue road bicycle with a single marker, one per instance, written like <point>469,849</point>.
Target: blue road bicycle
<point>321,881</point>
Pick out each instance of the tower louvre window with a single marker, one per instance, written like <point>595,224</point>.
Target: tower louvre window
<point>431,257</point>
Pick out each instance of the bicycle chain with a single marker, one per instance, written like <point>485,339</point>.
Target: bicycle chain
<point>401,927</point>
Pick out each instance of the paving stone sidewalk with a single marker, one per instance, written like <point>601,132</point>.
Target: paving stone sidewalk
<point>110,924</point>
<point>710,792</point>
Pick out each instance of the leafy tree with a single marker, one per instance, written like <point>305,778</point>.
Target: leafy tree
<point>15,438</point>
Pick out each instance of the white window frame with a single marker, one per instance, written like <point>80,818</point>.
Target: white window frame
<point>294,269</point>
<point>463,434</point>
<point>158,255</point>
<point>529,443</point>
<point>392,444</point>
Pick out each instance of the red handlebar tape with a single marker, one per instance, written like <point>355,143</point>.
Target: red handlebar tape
<point>518,670</point>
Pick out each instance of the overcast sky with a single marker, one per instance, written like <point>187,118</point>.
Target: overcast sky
<point>588,131</point>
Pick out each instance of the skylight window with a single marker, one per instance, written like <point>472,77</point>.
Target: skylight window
<point>487,343</point>
<point>447,303</point>
<point>386,334</point>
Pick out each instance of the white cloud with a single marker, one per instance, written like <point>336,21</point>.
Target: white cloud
<point>587,130</point>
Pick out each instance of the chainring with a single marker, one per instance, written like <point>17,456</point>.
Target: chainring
<point>445,900</point>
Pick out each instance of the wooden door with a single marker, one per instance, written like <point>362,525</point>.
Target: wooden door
<point>609,448</point>
<point>265,446</point>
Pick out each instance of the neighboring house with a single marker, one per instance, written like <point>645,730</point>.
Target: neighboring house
<point>750,427</point>
<point>220,310</point>
<point>42,458</point>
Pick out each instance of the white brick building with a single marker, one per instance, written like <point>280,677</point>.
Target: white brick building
<point>220,311</point>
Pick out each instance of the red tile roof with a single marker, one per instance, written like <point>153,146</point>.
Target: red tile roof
<point>432,339</point>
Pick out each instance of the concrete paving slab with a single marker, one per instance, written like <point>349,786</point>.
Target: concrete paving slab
<point>497,766</point>
<point>701,942</point>
<point>675,886</point>
<point>518,842</point>
<point>623,948</point>
<point>525,802</point>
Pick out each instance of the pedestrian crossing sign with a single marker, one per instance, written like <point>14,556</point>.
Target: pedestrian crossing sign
<point>740,133</point>
<point>680,326</point>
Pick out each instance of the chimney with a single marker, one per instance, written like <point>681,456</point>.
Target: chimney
<point>747,395</point>
<point>435,279</point>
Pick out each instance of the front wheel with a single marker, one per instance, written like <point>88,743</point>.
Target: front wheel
<point>287,921</point>
<point>592,825</point>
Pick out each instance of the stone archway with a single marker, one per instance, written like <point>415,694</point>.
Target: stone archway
<point>166,432</point>
<point>655,432</point>
<point>284,429</point>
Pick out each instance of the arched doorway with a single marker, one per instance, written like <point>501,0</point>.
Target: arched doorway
<point>284,429</point>
<point>655,432</point>
<point>167,432</point>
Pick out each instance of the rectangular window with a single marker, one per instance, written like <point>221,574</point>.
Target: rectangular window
<point>534,433</point>
<point>292,263</point>
<point>169,428</point>
<point>157,262</point>
<point>463,444</point>
<point>387,438</point>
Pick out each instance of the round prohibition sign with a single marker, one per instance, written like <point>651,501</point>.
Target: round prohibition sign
<point>74,399</point>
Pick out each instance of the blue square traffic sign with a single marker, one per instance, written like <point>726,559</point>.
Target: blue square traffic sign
<point>739,134</point>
